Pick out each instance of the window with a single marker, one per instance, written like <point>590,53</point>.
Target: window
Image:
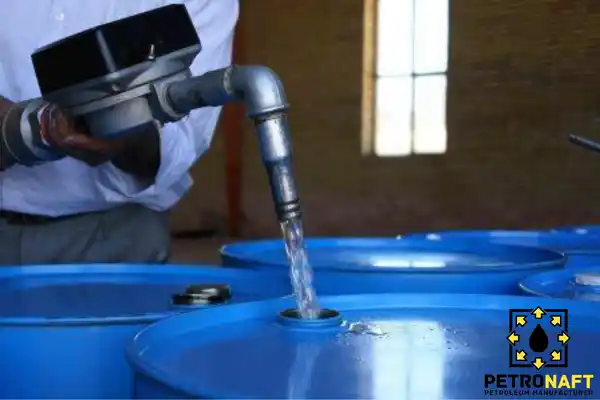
<point>404,90</point>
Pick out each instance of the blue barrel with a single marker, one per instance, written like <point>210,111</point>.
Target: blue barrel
<point>378,346</point>
<point>352,265</point>
<point>63,328</point>
<point>582,248</point>
<point>577,283</point>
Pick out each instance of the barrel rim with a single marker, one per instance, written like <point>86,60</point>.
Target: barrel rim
<point>465,232</point>
<point>458,234</point>
<point>531,284</point>
<point>241,253</point>
<point>592,229</point>
<point>107,269</point>
<point>165,330</point>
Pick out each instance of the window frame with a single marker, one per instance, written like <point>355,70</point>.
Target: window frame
<point>369,83</point>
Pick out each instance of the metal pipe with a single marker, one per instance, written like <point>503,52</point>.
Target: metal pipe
<point>262,93</point>
<point>585,143</point>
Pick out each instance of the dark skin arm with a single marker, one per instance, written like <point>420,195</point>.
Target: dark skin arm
<point>138,155</point>
<point>5,105</point>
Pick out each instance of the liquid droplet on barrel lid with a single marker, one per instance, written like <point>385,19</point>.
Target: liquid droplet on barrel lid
<point>538,341</point>
<point>364,328</point>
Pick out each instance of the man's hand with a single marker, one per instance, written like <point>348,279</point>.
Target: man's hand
<point>138,154</point>
<point>62,133</point>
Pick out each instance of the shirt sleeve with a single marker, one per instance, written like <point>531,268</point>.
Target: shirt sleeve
<point>184,141</point>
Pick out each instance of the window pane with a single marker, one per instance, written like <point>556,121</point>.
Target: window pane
<point>392,116</point>
<point>430,115</point>
<point>431,36</point>
<point>394,37</point>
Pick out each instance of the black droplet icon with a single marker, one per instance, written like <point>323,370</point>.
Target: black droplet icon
<point>538,341</point>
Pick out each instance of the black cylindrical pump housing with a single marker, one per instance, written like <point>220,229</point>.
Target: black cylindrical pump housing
<point>112,74</point>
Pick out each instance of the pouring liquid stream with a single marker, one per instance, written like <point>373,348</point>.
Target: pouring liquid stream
<point>301,273</point>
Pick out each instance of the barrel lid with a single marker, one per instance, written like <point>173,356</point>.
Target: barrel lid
<point>433,346</point>
<point>582,283</point>
<point>569,242</point>
<point>122,292</point>
<point>392,255</point>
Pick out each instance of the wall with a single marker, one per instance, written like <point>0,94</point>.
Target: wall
<point>522,75</point>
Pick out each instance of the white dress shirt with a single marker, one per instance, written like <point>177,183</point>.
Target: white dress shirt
<point>69,186</point>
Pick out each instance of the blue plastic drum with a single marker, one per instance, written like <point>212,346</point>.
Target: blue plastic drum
<point>347,266</point>
<point>579,284</point>
<point>63,328</point>
<point>379,346</point>
<point>582,247</point>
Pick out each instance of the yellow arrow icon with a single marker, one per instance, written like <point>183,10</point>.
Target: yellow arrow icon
<point>521,320</point>
<point>513,338</point>
<point>556,320</point>
<point>563,338</point>
<point>538,313</point>
<point>538,363</point>
<point>556,355</point>
<point>521,355</point>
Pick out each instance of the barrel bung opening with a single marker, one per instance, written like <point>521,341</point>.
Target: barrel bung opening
<point>586,286</point>
<point>203,294</point>
<point>323,314</point>
<point>588,279</point>
<point>327,318</point>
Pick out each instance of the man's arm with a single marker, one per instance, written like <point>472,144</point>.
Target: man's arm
<point>6,160</point>
<point>34,132</point>
<point>19,127</point>
<point>180,144</point>
<point>5,104</point>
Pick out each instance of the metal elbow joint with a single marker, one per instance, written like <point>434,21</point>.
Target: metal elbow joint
<point>259,88</point>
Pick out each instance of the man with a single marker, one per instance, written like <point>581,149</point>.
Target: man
<point>107,201</point>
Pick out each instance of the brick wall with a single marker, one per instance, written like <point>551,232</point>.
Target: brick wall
<point>522,75</point>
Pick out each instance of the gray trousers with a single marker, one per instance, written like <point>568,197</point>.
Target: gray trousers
<point>128,234</point>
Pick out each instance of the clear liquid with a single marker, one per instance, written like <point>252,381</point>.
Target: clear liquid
<point>301,273</point>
